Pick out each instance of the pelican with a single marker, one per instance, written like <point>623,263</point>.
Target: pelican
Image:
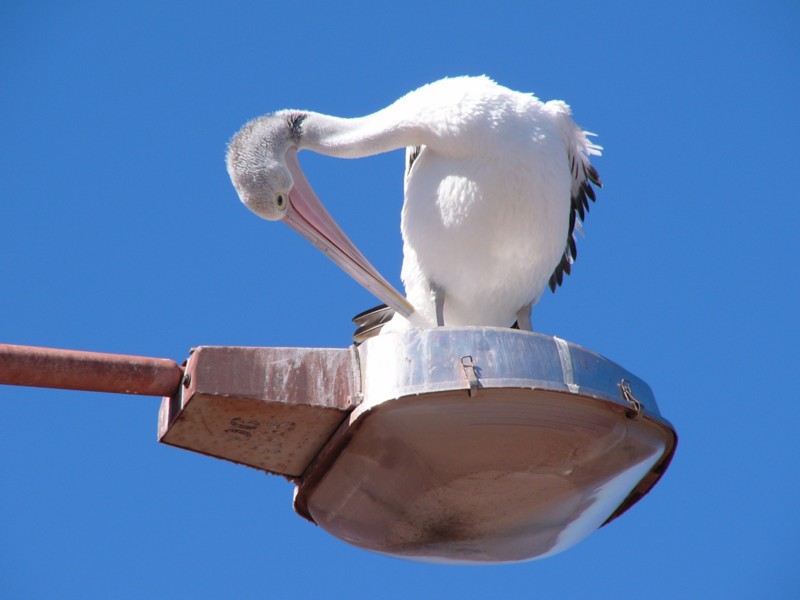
<point>495,183</point>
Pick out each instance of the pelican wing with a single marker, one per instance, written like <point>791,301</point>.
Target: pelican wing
<point>584,175</point>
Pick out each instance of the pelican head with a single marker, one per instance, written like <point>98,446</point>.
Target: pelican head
<point>262,164</point>
<point>257,165</point>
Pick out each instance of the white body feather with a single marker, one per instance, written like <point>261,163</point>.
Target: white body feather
<point>487,201</point>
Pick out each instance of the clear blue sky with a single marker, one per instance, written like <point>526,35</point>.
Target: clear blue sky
<point>120,232</point>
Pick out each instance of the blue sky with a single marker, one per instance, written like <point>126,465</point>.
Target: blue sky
<point>120,232</point>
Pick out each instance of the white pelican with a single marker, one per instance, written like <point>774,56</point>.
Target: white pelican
<point>494,182</point>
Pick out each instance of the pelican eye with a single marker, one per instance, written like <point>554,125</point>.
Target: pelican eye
<point>281,200</point>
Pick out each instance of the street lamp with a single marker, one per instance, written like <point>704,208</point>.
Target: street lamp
<point>467,445</point>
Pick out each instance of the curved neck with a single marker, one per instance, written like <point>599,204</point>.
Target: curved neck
<point>379,132</point>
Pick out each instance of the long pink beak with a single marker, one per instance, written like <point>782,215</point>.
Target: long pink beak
<point>309,218</point>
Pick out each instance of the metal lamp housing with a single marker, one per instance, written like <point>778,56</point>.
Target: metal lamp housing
<point>484,445</point>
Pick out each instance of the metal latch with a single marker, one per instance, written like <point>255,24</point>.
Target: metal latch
<point>627,395</point>
<point>471,373</point>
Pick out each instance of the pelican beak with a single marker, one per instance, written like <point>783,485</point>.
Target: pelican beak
<point>309,218</point>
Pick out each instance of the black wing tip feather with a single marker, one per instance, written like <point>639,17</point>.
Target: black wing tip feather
<point>370,322</point>
<point>373,314</point>
<point>587,189</point>
<point>594,176</point>
<point>579,209</point>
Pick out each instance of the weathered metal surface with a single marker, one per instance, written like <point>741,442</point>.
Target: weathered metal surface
<point>448,397</point>
<point>434,360</point>
<point>89,371</point>
<point>268,408</point>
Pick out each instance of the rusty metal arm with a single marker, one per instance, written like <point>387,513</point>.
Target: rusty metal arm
<point>88,371</point>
